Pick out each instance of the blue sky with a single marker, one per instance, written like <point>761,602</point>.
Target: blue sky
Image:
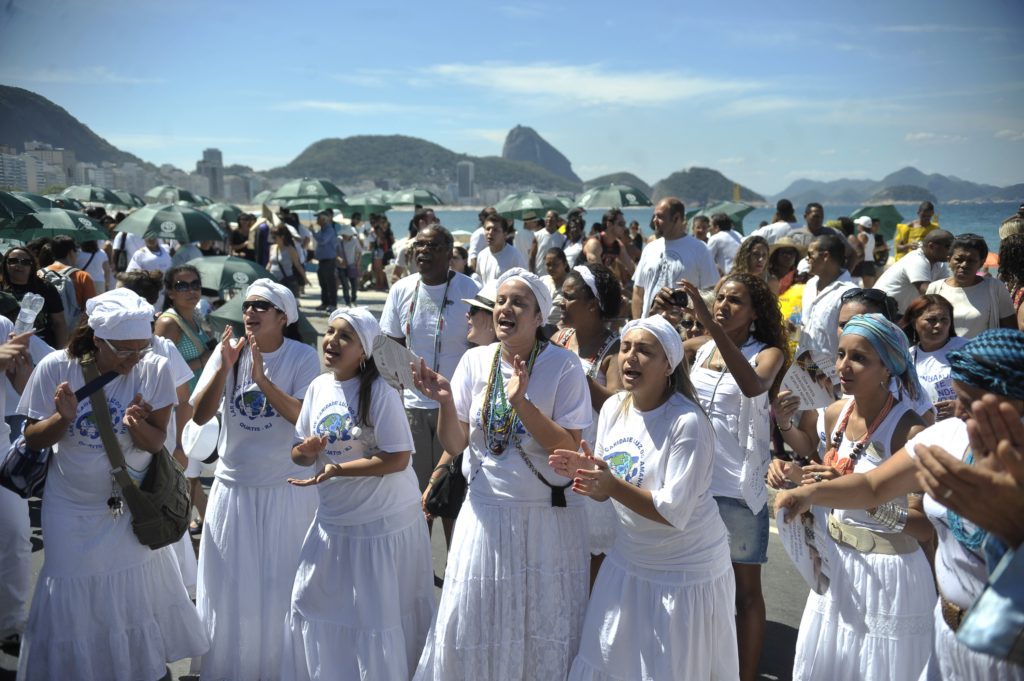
<point>764,92</point>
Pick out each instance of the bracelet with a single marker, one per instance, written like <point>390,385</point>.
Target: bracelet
<point>784,430</point>
<point>892,515</point>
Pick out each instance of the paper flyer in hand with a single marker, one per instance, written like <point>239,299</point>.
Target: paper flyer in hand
<point>393,360</point>
<point>811,393</point>
<point>810,548</point>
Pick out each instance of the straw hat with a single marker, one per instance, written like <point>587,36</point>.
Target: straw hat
<point>787,242</point>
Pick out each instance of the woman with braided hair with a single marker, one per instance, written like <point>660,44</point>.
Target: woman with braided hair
<point>987,371</point>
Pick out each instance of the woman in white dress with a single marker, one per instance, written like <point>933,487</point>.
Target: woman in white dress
<point>990,368</point>
<point>873,622</point>
<point>979,303</point>
<point>928,323</point>
<point>516,582</point>
<point>105,606</point>
<point>663,603</point>
<point>255,521</point>
<point>365,574</point>
<point>590,296</point>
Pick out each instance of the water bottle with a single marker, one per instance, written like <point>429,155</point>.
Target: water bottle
<point>31,306</point>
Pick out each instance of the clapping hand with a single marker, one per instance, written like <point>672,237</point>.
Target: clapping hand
<point>66,402</point>
<point>230,350</point>
<point>331,470</point>
<point>515,389</point>
<point>431,384</point>
<point>597,482</point>
<point>136,413</point>
<point>258,374</point>
<point>566,462</point>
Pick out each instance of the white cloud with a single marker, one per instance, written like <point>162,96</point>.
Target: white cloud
<point>760,105</point>
<point>587,85</point>
<point>355,108</point>
<point>89,75</point>
<point>1011,135</point>
<point>933,138</point>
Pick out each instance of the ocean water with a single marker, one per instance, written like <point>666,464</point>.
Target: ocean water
<point>980,218</point>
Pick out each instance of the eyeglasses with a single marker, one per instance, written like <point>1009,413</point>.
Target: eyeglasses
<point>24,262</point>
<point>128,354</point>
<point>257,305</point>
<point>181,286</point>
<point>429,245</point>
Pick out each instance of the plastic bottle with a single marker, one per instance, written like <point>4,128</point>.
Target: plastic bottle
<point>31,306</point>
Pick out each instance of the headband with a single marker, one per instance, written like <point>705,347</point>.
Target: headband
<point>994,360</point>
<point>660,328</point>
<point>539,288</point>
<point>121,314</point>
<point>590,280</point>
<point>277,294</point>
<point>364,323</point>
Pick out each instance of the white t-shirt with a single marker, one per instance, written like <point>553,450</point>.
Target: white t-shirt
<point>820,316</point>
<point>477,242</point>
<point>37,349</point>
<point>181,374</point>
<point>668,451</point>
<point>331,408</point>
<point>401,251</point>
<point>898,281</point>
<point>723,246</point>
<point>960,573</point>
<point>775,231</point>
<point>490,265</point>
<point>663,263</point>
<point>145,259</point>
<point>441,342</point>
<point>572,252</point>
<point>976,308</point>
<point>557,387</point>
<point>523,241</point>
<point>129,243</point>
<point>255,441</point>
<point>546,240</point>
<point>933,369</point>
<point>80,470</point>
<point>95,268</point>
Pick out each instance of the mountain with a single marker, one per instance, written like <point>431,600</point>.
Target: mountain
<point>525,144</point>
<point>619,178</point>
<point>411,161</point>
<point>903,193</point>
<point>26,116</point>
<point>702,186</point>
<point>943,187</point>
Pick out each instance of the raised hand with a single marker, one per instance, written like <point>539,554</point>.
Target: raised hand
<point>331,470</point>
<point>566,462</point>
<point>786,405</point>
<point>258,373</point>
<point>698,308</point>
<point>596,482</point>
<point>515,389</point>
<point>66,402</point>
<point>992,423</point>
<point>430,383</point>
<point>230,349</point>
<point>663,305</point>
<point>14,352</point>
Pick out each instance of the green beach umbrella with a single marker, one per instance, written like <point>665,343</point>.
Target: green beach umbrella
<point>90,193</point>
<point>220,273</point>
<point>12,206</point>
<point>308,188</point>
<point>736,212</point>
<point>65,202</point>
<point>35,201</point>
<point>364,204</point>
<point>263,197</point>
<point>886,214</point>
<point>54,222</point>
<point>171,221</point>
<point>316,203</point>
<point>129,199</point>
<point>168,193</point>
<point>520,204</point>
<point>411,197</point>
<point>231,313</point>
<point>223,211</point>
<point>613,196</point>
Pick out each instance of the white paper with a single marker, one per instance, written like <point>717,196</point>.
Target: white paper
<point>804,540</point>
<point>393,360</point>
<point>811,393</point>
<point>826,364</point>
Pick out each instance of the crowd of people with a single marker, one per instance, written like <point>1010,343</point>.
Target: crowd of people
<point>625,414</point>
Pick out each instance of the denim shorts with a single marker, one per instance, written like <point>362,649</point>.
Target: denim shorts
<point>748,532</point>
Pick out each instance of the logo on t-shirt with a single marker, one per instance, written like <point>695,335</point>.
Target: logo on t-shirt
<point>253,404</point>
<point>335,426</point>
<point>85,424</point>
<point>625,460</point>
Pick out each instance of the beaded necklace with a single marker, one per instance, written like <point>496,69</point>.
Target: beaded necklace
<point>438,323</point>
<point>500,418</point>
<point>846,466</point>
<point>971,541</point>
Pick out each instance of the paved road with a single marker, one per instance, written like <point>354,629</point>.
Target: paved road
<point>785,592</point>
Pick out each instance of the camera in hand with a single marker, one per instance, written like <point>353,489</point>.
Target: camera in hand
<point>679,298</point>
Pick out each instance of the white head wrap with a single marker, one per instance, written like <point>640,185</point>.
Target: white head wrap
<point>666,334</point>
<point>363,321</point>
<point>277,294</point>
<point>539,288</point>
<point>590,280</point>
<point>120,314</point>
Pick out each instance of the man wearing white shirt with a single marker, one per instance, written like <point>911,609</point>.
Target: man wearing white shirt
<point>153,256</point>
<point>525,239</point>
<point>822,298</point>
<point>784,223</point>
<point>478,240</point>
<point>546,237</point>
<point>674,256</point>
<point>723,242</point>
<point>910,276</point>
<point>498,257</point>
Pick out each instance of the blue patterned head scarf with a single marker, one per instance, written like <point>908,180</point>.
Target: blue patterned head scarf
<point>993,361</point>
<point>889,341</point>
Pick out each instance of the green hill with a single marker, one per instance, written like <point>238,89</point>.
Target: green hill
<point>701,186</point>
<point>409,161</point>
<point>619,178</point>
<point>903,193</point>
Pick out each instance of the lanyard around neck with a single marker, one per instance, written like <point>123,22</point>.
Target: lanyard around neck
<point>438,323</point>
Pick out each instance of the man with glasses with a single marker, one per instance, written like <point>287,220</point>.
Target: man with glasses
<point>822,298</point>
<point>426,312</point>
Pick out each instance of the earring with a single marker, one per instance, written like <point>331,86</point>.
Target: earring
<point>362,364</point>
<point>752,326</point>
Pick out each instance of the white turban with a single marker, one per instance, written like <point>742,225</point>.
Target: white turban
<point>120,314</point>
<point>363,321</point>
<point>277,294</point>
<point>539,288</point>
<point>660,328</point>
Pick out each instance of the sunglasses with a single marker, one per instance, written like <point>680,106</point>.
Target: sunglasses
<point>24,262</point>
<point>257,305</point>
<point>182,286</point>
<point>128,354</point>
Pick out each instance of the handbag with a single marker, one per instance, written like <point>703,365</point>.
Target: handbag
<point>161,506</point>
<point>23,470</point>
<point>448,490</point>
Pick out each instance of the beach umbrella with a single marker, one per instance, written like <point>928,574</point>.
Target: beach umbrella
<point>613,196</point>
<point>411,197</point>
<point>129,199</point>
<point>516,206</point>
<point>171,221</point>
<point>65,202</point>
<point>462,236</point>
<point>168,193</point>
<point>231,313</point>
<point>566,201</point>
<point>885,213</point>
<point>736,212</point>
<point>220,273</point>
<point>308,188</point>
<point>204,200</point>
<point>54,222</point>
<point>263,197</point>
<point>364,204</point>
<point>12,206</point>
<point>223,211</point>
<point>315,203</point>
<point>90,193</point>
<point>35,201</point>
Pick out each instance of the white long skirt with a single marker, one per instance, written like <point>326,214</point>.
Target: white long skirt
<point>953,661</point>
<point>873,624</point>
<point>363,600</point>
<point>514,596</point>
<point>187,563</point>
<point>106,608</point>
<point>247,561</point>
<point>649,625</point>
